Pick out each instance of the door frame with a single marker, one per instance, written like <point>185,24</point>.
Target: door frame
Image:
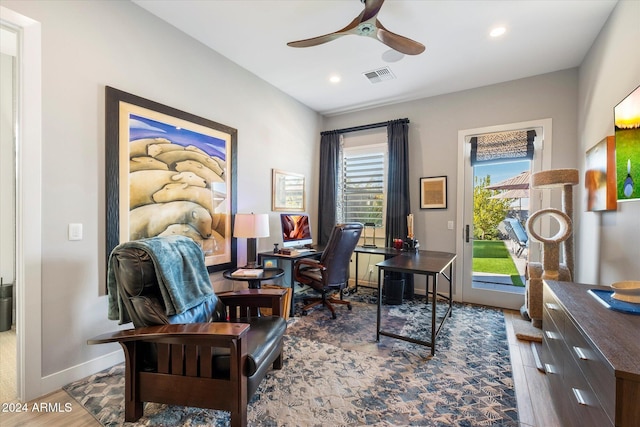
<point>538,200</point>
<point>28,286</point>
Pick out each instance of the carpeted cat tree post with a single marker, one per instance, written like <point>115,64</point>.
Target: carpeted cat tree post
<point>551,268</point>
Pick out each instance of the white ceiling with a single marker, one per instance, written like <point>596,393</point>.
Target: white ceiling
<point>542,36</point>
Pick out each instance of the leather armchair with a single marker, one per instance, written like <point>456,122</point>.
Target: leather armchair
<point>213,355</point>
<point>330,274</point>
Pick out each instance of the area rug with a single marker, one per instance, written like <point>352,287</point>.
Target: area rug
<point>336,374</point>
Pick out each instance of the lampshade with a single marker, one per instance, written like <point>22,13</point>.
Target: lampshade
<point>251,225</point>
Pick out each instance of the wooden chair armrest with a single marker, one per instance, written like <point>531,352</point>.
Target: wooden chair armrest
<point>308,262</point>
<point>196,332</point>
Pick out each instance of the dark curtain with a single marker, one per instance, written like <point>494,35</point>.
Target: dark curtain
<point>398,206</point>
<point>329,163</point>
<point>398,202</point>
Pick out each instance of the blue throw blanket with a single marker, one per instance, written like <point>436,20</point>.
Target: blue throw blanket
<point>182,275</point>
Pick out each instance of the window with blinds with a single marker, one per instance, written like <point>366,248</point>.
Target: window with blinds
<point>364,184</point>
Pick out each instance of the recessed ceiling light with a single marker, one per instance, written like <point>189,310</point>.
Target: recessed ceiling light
<point>497,31</point>
<point>334,78</point>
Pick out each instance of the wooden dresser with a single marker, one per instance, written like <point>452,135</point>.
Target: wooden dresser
<point>592,358</point>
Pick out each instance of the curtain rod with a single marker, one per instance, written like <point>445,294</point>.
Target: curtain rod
<point>364,127</point>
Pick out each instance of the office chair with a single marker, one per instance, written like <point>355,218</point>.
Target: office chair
<point>330,274</point>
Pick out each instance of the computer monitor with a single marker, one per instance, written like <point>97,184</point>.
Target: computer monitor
<point>296,230</point>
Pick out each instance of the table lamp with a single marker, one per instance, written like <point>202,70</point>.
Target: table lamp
<point>251,226</point>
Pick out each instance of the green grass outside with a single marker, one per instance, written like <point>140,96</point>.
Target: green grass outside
<point>492,256</point>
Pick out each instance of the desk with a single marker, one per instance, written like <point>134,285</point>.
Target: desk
<point>387,252</point>
<point>254,281</point>
<point>431,264</point>
<point>292,260</point>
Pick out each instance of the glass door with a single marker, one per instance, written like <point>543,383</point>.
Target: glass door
<point>494,202</point>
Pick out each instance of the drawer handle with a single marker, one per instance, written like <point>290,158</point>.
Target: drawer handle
<point>551,306</point>
<point>549,368</point>
<point>551,335</point>
<point>579,397</point>
<point>580,353</point>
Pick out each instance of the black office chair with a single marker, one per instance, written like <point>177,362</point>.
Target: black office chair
<point>330,274</point>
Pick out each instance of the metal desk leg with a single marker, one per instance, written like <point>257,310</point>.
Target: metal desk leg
<point>379,305</point>
<point>433,310</point>
<point>356,279</point>
<point>450,289</point>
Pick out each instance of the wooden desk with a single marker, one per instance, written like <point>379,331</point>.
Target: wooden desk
<point>431,264</point>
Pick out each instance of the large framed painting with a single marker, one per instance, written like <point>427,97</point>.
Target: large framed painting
<point>627,132</point>
<point>600,176</point>
<point>169,172</point>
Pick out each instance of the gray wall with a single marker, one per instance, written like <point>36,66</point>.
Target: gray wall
<point>433,134</point>
<point>608,243</point>
<point>85,46</point>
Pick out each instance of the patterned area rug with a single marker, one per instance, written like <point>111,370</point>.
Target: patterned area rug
<point>336,374</point>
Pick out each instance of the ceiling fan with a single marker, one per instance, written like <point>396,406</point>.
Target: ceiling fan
<point>367,24</point>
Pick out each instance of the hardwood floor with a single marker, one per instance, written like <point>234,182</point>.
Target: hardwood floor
<point>535,408</point>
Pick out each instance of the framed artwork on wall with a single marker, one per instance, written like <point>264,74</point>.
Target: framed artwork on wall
<point>600,176</point>
<point>627,131</point>
<point>169,172</point>
<point>287,191</point>
<point>433,192</point>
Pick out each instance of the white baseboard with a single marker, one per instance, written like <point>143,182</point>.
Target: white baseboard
<point>57,380</point>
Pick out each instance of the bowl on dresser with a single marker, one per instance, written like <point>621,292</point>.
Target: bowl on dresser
<point>628,291</point>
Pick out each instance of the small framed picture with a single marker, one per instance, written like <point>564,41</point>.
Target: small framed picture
<point>269,263</point>
<point>433,192</point>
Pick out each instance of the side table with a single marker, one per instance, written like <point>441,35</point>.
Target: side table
<point>254,281</point>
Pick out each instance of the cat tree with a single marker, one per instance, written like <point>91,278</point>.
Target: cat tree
<point>551,268</point>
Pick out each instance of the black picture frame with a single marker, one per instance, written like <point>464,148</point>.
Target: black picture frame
<point>433,192</point>
<point>126,116</point>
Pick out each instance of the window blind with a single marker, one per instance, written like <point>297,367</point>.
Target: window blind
<point>363,188</point>
<point>502,146</point>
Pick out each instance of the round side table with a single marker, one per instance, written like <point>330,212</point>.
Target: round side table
<point>254,281</point>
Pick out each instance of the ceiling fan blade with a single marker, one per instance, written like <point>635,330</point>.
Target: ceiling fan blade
<point>371,9</point>
<point>314,41</point>
<point>398,42</point>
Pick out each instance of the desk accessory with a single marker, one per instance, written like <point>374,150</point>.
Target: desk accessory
<point>366,244</point>
<point>269,263</point>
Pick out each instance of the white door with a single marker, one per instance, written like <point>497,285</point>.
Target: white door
<point>481,292</point>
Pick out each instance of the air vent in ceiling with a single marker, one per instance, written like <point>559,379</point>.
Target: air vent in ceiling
<point>379,75</point>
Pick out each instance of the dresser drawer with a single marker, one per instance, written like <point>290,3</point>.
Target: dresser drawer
<point>552,308</point>
<point>584,405</point>
<point>593,366</point>
<point>553,347</point>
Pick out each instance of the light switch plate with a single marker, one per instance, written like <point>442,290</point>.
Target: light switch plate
<point>450,225</point>
<point>75,231</point>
